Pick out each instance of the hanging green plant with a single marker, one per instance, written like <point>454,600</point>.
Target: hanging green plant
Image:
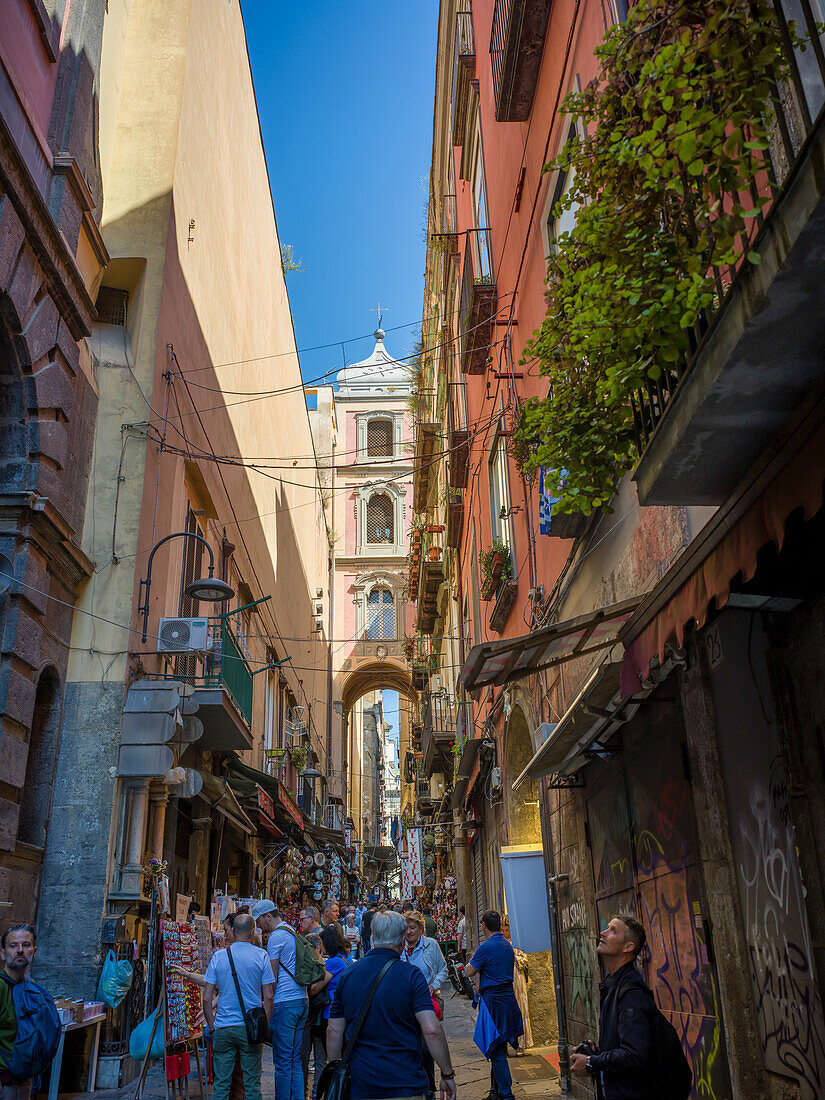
<point>298,756</point>
<point>669,167</point>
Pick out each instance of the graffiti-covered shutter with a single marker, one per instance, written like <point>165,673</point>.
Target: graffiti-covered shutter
<point>644,853</point>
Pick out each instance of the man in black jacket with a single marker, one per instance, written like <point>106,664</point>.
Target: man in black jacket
<point>624,1060</point>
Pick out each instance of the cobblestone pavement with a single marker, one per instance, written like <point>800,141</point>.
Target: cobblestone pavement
<point>534,1074</point>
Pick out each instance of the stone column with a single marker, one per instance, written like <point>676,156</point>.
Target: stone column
<point>199,860</point>
<point>131,874</point>
<point>158,798</point>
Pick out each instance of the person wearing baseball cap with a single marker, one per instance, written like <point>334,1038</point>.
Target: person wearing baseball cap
<point>286,1025</point>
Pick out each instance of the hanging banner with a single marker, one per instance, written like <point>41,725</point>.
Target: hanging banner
<point>414,855</point>
<point>407,886</point>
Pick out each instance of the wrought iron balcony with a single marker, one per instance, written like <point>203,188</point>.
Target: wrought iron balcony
<point>223,691</point>
<point>464,71</point>
<point>516,46</point>
<point>446,720</point>
<point>478,302</point>
<point>757,353</point>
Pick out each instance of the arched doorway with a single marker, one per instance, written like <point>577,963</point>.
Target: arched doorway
<point>524,829</point>
<point>376,736</point>
<point>35,801</point>
<point>523,821</point>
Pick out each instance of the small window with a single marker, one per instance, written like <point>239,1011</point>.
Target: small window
<point>561,220</point>
<point>380,523</point>
<point>379,439</point>
<point>111,306</point>
<point>380,615</point>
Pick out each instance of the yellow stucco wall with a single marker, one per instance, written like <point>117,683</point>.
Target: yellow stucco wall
<point>180,142</point>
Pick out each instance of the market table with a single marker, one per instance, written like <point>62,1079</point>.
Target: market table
<point>54,1080</point>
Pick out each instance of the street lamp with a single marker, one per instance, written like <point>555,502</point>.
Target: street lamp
<point>209,589</point>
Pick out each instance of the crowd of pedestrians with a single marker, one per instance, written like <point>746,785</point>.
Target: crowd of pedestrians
<point>370,990</point>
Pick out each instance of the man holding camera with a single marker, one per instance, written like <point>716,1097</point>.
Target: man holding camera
<point>622,1065</point>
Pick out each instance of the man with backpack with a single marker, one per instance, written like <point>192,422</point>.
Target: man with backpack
<point>295,967</point>
<point>639,1055</point>
<point>29,1023</point>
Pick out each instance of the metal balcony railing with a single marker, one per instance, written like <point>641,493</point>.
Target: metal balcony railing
<point>224,666</point>
<point>463,71</point>
<point>798,105</point>
<point>501,17</point>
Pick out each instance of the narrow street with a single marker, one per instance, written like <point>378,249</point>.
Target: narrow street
<point>533,1074</point>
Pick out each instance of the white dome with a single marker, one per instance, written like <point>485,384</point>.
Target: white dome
<point>378,374</point>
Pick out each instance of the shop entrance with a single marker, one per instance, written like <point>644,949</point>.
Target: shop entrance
<point>643,846</point>
<point>535,983</point>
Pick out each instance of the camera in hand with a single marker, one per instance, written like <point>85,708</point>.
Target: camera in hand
<point>587,1047</point>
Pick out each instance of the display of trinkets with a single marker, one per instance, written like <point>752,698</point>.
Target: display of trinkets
<point>204,934</point>
<point>183,999</point>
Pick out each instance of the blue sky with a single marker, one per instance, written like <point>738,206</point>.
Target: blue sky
<point>345,96</point>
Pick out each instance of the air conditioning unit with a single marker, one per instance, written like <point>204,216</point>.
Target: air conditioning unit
<point>183,636</point>
<point>317,626</point>
<point>423,788</point>
<point>437,786</point>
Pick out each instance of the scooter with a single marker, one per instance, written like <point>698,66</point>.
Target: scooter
<point>458,979</point>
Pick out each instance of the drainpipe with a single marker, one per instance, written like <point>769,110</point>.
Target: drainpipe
<point>553,878</point>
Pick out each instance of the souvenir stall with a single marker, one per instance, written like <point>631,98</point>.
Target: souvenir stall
<point>179,1013</point>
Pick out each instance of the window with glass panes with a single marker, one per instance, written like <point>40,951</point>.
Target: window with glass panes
<point>379,438</point>
<point>500,494</point>
<point>380,519</point>
<point>380,615</point>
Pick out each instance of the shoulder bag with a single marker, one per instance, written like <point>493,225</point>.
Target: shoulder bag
<point>334,1082</point>
<point>257,1025</point>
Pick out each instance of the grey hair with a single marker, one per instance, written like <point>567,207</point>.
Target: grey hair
<point>387,930</point>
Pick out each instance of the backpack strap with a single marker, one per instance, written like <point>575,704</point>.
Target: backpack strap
<point>289,928</point>
<point>237,983</point>
<point>362,1015</point>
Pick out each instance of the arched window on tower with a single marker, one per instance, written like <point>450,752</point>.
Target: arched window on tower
<point>380,615</point>
<point>379,438</point>
<point>380,519</point>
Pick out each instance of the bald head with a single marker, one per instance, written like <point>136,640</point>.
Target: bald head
<point>244,927</point>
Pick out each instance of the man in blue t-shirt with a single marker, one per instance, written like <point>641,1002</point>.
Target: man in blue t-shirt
<point>494,962</point>
<point>386,1062</point>
<point>255,980</point>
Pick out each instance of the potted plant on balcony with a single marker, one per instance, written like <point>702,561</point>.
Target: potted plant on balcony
<point>409,647</point>
<point>298,756</point>
<point>275,754</point>
<point>434,553</point>
<point>495,566</point>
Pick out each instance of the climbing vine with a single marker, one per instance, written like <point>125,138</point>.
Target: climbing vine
<point>669,167</point>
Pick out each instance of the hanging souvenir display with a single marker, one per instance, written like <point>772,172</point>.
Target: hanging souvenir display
<point>183,998</point>
<point>203,932</point>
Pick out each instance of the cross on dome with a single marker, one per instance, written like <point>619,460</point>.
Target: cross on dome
<point>378,374</point>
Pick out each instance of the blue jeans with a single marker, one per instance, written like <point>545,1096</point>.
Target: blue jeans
<point>501,1078</point>
<point>286,1029</point>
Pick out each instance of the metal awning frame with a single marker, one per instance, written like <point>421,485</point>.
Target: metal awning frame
<point>538,641</point>
<point>593,742</point>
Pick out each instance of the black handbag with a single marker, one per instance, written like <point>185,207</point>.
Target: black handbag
<point>334,1082</point>
<point>257,1025</point>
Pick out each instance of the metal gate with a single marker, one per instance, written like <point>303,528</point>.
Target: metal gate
<point>642,842</point>
<point>478,886</point>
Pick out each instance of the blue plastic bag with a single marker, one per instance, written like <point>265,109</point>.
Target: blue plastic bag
<point>139,1039</point>
<point>115,979</point>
